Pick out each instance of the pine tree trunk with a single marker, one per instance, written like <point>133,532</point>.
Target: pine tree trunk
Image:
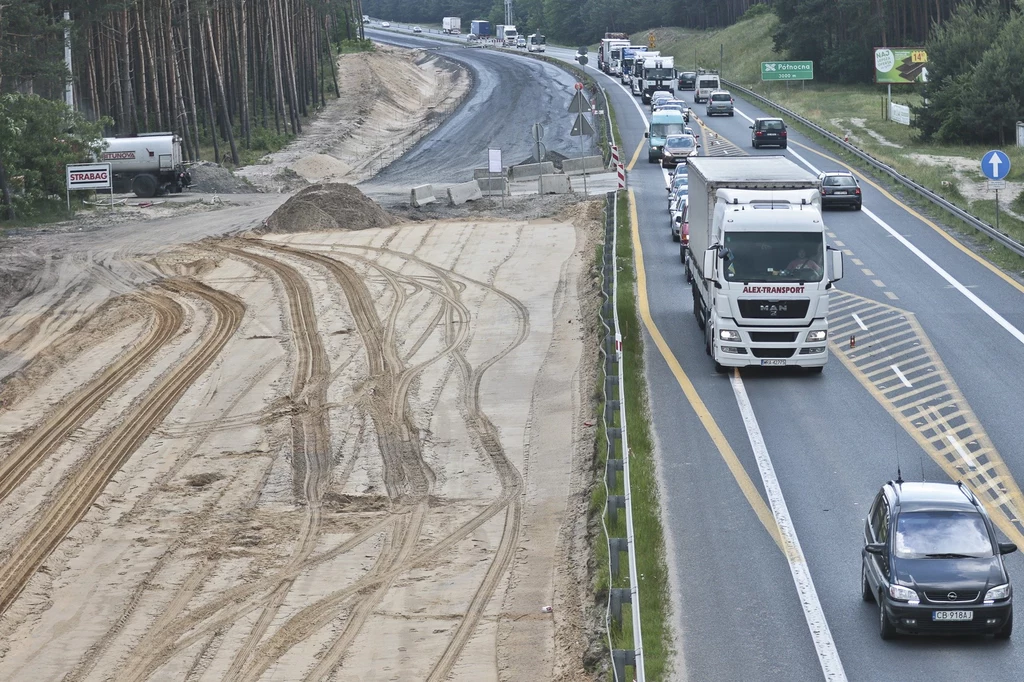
<point>5,193</point>
<point>211,123</point>
<point>225,111</point>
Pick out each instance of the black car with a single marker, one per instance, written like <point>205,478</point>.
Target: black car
<point>687,80</point>
<point>769,131</point>
<point>932,563</point>
<point>840,188</point>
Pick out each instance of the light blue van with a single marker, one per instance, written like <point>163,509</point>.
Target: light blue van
<point>663,124</point>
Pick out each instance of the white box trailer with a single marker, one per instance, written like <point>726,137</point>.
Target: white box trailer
<point>758,265</point>
<point>452,25</point>
<point>149,164</point>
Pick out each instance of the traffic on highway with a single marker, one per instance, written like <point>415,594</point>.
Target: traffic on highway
<point>790,555</point>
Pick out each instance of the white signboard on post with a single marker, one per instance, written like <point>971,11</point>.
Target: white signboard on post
<point>88,176</point>
<point>899,113</point>
<point>493,160</point>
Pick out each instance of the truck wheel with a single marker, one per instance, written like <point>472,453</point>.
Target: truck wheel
<point>144,186</point>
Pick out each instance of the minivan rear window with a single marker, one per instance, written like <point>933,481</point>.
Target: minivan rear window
<point>722,97</point>
<point>771,125</point>
<point>709,82</point>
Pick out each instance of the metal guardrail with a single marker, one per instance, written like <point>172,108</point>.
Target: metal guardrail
<point>615,403</point>
<point>923,191</point>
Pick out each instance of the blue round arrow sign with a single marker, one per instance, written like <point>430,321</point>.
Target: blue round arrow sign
<point>995,165</point>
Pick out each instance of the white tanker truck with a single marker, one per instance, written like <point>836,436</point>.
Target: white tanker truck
<point>149,164</point>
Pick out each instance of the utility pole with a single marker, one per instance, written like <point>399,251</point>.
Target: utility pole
<point>508,12</point>
<point>69,86</point>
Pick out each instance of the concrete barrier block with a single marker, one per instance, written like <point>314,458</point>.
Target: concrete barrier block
<point>480,173</point>
<point>463,192</point>
<point>493,186</point>
<point>422,195</point>
<point>528,171</point>
<point>592,164</point>
<point>554,184</point>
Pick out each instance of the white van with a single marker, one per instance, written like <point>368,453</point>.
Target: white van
<point>706,84</point>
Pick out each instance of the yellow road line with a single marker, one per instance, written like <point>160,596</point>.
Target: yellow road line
<point>636,154</point>
<point>746,485</point>
<point>945,235</point>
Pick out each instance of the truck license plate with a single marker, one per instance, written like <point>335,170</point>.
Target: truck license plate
<point>773,363</point>
<point>952,615</point>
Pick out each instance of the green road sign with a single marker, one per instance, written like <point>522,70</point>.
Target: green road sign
<point>787,71</point>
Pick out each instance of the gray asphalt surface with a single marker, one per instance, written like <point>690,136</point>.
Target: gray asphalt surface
<point>831,442</point>
<point>511,93</point>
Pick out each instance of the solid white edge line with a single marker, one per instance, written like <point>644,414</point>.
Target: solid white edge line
<point>821,635</point>
<point>902,377</point>
<point>860,322</point>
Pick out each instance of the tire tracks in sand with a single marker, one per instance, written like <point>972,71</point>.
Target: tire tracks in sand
<point>92,476</point>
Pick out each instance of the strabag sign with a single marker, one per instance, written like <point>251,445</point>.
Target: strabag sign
<point>88,176</point>
<point>901,65</point>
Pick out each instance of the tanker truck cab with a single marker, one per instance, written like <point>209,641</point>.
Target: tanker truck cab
<point>767,273</point>
<point>663,123</point>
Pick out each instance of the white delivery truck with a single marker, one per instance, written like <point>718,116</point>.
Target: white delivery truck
<point>507,35</point>
<point>451,25</point>
<point>659,73</point>
<point>707,82</point>
<point>149,164</point>
<point>760,266</point>
<point>636,79</point>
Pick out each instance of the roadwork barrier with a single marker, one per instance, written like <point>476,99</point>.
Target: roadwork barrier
<point>463,192</point>
<point>589,164</point>
<point>422,195</point>
<point>528,171</point>
<point>491,187</point>
<point>554,184</point>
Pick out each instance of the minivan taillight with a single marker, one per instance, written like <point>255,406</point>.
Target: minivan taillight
<point>783,133</point>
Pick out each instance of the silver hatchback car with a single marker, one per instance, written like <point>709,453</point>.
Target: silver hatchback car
<point>720,102</point>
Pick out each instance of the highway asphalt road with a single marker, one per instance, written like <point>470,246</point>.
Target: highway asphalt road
<point>510,94</point>
<point>831,443</point>
<point>829,440</point>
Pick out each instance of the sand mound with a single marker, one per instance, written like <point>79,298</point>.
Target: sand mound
<point>215,179</point>
<point>332,206</point>
<point>320,167</point>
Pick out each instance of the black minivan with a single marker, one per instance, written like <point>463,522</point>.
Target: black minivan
<point>932,563</point>
<point>769,131</point>
<point>687,80</point>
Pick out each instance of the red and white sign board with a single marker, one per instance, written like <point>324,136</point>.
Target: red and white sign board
<point>88,176</point>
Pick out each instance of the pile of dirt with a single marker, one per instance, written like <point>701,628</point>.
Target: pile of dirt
<point>330,206</point>
<point>320,168</point>
<point>213,178</point>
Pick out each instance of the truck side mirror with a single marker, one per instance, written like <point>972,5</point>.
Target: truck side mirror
<point>876,548</point>
<point>709,263</point>
<point>647,133</point>
<point>836,265</point>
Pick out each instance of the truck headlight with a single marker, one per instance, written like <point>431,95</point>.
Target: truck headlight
<point>728,335</point>
<point>997,593</point>
<point>904,594</point>
<point>819,335</point>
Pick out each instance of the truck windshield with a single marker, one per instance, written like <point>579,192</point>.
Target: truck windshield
<point>666,129</point>
<point>773,257</point>
<point>658,74</point>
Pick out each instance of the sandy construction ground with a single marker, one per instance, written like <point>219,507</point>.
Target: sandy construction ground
<point>337,455</point>
<point>346,454</point>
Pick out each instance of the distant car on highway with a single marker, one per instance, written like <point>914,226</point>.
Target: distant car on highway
<point>417,29</point>
<point>678,148</point>
<point>676,214</point>
<point>720,102</point>
<point>768,130</point>
<point>659,96</point>
<point>521,41</point>
<point>687,80</point>
<point>840,188</point>
<point>932,562</point>
<point>385,24</point>
<point>677,104</point>
<point>679,187</point>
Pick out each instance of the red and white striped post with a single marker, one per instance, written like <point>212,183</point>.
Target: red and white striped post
<point>619,169</point>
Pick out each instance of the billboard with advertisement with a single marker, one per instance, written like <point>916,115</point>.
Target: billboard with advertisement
<point>901,65</point>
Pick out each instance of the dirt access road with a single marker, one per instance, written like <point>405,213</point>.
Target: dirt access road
<point>355,454</point>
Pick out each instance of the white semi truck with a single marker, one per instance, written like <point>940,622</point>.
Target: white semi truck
<point>658,73</point>
<point>636,78</point>
<point>760,266</point>
<point>451,25</point>
<point>149,164</point>
<point>507,35</point>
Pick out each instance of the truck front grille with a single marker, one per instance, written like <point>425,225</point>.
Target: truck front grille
<point>763,308</point>
<point>773,352</point>
<point>773,337</point>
